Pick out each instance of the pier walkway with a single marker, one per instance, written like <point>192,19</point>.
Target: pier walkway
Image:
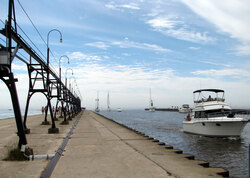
<point>100,147</point>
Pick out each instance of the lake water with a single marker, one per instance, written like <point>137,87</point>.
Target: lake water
<point>228,153</point>
<point>9,113</point>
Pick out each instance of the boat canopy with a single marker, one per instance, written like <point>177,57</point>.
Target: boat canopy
<point>211,90</point>
<point>185,105</point>
<point>203,96</point>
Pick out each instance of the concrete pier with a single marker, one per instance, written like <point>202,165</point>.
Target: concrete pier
<point>100,147</point>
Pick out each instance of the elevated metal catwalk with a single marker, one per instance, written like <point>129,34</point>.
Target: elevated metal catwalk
<point>41,77</point>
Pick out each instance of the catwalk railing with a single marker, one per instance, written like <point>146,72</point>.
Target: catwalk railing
<point>38,70</point>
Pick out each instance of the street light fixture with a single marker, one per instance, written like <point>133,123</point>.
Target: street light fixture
<point>53,128</point>
<point>66,75</point>
<point>60,72</point>
<point>73,85</point>
<point>48,51</point>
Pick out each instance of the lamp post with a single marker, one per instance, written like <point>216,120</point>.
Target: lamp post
<point>68,90</point>
<point>60,71</point>
<point>48,46</point>
<point>74,86</point>
<point>71,83</point>
<point>60,86</point>
<point>53,128</point>
<point>71,90</point>
<point>66,75</point>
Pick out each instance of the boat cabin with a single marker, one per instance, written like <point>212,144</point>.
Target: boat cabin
<point>213,113</point>
<point>185,106</point>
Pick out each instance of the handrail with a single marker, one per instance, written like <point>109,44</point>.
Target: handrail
<point>209,99</point>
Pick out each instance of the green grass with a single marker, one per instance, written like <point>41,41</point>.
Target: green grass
<point>15,154</point>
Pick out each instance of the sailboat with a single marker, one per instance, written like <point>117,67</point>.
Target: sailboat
<point>108,103</point>
<point>97,103</point>
<point>151,107</point>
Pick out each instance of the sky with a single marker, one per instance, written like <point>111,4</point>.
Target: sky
<point>127,47</point>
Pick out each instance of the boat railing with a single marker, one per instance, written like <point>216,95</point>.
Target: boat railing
<point>209,99</point>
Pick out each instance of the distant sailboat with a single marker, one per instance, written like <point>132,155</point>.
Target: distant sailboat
<point>108,103</point>
<point>151,107</point>
<point>97,103</point>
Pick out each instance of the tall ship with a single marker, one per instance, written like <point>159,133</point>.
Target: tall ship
<point>97,103</point>
<point>212,116</point>
<point>151,104</point>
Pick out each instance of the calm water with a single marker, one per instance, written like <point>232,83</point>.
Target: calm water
<point>228,153</point>
<point>9,113</point>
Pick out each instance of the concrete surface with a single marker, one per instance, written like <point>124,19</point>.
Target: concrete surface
<point>38,139</point>
<point>98,147</point>
<point>102,148</point>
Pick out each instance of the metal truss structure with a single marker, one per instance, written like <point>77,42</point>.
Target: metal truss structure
<point>42,79</point>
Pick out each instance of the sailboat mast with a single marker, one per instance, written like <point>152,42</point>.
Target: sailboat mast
<point>150,94</point>
<point>108,102</point>
<point>150,99</point>
<point>97,101</point>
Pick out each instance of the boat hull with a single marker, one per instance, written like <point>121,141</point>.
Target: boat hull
<point>215,129</point>
<point>151,110</point>
<point>119,110</point>
<point>184,110</point>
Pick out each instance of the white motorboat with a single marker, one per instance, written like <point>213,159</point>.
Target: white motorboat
<point>184,109</point>
<point>151,104</point>
<point>119,110</point>
<point>211,116</point>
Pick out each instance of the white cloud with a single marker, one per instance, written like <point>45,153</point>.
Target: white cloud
<point>215,63</point>
<point>161,22</point>
<point>230,17</point>
<point>19,67</point>
<point>126,54</point>
<point>81,56</point>
<point>98,44</point>
<point>178,29</point>
<point>77,55</point>
<point>243,49</point>
<point>126,43</point>
<point>130,6</point>
<point>194,48</point>
<point>233,73</point>
<point>110,6</point>
<point>114,6</point>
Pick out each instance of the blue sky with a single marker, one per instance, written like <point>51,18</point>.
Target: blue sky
<point>126,47</point>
